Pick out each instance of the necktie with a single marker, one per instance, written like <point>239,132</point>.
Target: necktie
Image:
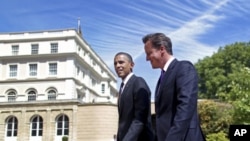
<point>159,82</point>
<point>162,75</point>
<point>119,94</point>
<point>121,86</point>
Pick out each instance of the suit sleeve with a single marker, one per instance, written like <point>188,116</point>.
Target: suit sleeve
<point>141,97</point>
<point>186,101</point>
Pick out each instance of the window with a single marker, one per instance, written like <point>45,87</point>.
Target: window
<point>52,68</point>
<point>15,49</point>
<point>79,96</point>
<point>31,96</point>
<point>11,127</point>
<point>83,74</point>
<point>33,69</point>
<point>37,126</point>
<point>79,49</point>
<point>93,82</point>
<point>52,95</point>
<point>103,88</point>
<point>34,49</point>
<point>11,96</point>
<point>54,48</point>
<point>78,70</point>
<point>62,125</point>
<point>13,70</point>
<point>93,62</point>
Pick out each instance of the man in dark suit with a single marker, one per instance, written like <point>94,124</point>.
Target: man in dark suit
<point>176,92</point>
<point>133,103</point>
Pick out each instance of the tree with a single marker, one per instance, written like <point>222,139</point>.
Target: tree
<point>214,71</point>
<point>226,76</point>
<point>238,95</point>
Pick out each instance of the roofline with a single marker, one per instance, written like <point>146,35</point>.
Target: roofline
<point>34,31</point>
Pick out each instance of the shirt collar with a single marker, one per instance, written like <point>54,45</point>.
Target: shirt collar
<point>127,78</point>
<point>168,63</point>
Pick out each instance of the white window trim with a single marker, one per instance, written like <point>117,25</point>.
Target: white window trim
<point>28,69</point>
<point>18,51</point>
<point>38,138</point>
<point>12,138</point>
<point>48,73</point>
<point>59,137</point>
<point>8,72</point>
<point>32,50</point>
<point>57,47</point>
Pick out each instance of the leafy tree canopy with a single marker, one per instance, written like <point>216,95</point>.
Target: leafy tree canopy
<point>223,70</point>
<point>226,76</point>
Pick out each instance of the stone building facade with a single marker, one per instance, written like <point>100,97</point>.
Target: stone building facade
<point>53,85</point>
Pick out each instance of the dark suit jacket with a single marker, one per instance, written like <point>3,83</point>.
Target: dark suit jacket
<point>176,104</point>
<point>134,112</point>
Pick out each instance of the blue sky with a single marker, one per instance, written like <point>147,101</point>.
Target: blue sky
<point>197,28</point>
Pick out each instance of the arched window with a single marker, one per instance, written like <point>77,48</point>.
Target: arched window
<point>51,95</point>
<point>11,96</point>
<point>31,96</point>
<point>36,126</point>
<point>11,127</point>
<point>62,125</point>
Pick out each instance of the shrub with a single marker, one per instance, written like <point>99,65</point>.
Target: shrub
<point>217,137</point>
<point>65,138</point>
<point>215,117</point>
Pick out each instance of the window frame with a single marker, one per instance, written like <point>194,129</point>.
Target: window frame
<point>53,71</point>
<point>32,96</point>
<point>11,96</point>
<point>11,126</point>
<point>34,48</point>
<point>64,123</point>
<point>52,96</point>
<point>53,48</point>
<point>36,126</point>
<point>13,72</point>
<point>15,49</point>
<point>103,88</point>
<point>34,71</point>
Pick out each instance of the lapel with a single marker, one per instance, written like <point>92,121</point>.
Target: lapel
<point>165,80</point>
<point>125,92</point>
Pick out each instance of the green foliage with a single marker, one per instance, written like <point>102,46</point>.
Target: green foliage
<point>241,113</point>
<point>238,95</point>
<point>215,70</point>
<point>65,138</point>
<point>224,76</point>
<point>217,137</point>
<point>215,117</point>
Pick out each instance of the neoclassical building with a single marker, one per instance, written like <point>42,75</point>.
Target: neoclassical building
<point>52,84</point>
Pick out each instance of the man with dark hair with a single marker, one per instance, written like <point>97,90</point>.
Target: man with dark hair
<point>176,92</point>
<point>133,102</point>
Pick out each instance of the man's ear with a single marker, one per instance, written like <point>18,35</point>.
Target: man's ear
<point>132,64</point>
<point>162,48</point>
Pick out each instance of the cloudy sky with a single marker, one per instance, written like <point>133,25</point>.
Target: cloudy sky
<point>197,28</point>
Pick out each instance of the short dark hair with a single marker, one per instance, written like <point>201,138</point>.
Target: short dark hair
<point>130,59</point>
<point>159,39</point>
